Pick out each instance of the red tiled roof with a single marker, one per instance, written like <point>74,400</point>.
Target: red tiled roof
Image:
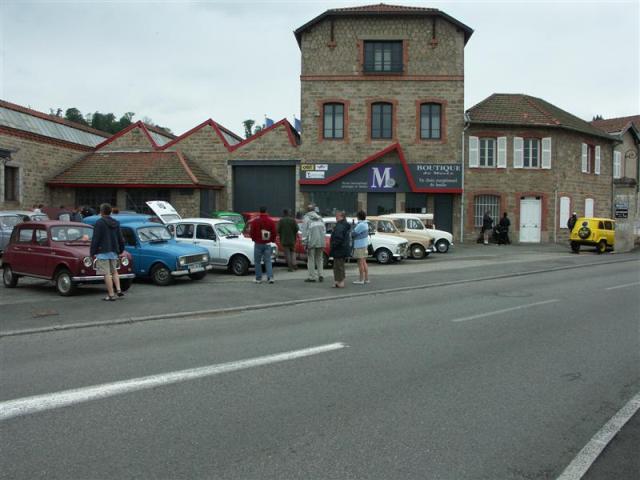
<point>142,169</point>
<point>524,110</point>
<point>617,125</point>
<point>52,118</point>
<point>383,9</point>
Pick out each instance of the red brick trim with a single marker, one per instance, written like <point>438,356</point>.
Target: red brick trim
<point>377,78</point>
<point>43,139</point>
<point>405,57</point>
<point>345,126</point>
<point>544,210</point>
<point>186,167</point>
<point>443,120</point>
<point>394,120</point>
<point>470,224</point>
<point>133,185</point>
<point>208,122</point>
<point>282,123</point>
<point>360,46</point>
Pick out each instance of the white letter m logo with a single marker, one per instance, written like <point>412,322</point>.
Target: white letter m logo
<point>381,179</point>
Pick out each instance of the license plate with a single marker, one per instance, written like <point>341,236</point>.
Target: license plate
<point>196,269</point>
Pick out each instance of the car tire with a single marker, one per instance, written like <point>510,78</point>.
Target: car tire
<point>9,278</point>
<point>64,283</point>
<point>161,276</point>
<point>575,247</point>
<point>602,246</point>
<point>417,251</point>
<point>383,256</point>
<point>125,284</point>
<point>442,246</point>
<point>197,276</point>
<point>584,232</point>
<point>239,265</point>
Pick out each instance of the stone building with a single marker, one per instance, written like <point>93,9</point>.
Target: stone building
<point>537,163</point>
<point>626,177</point>
<point>382,90</point>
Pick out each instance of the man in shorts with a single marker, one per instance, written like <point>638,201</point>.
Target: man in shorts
<point>107,245</point>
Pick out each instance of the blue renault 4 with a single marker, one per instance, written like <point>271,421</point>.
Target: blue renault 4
<point>155,253</point>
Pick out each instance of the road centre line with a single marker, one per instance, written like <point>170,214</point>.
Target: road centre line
<point>505,310</point>
<point>39,403</point>
<point>623,286</point>
<point>585,458</point>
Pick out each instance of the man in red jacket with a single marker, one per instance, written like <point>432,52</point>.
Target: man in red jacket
<point>263,233</point>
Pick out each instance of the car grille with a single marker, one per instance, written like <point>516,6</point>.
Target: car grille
<point>189,259</point>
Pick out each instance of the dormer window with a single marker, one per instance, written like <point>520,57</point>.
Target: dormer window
<point>383,56</point>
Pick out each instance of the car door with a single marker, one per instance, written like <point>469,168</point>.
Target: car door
<point>21,258</point>
<point>41,253</point>
<point>184,232</point>
<point>609,232</point>
<point>206,237</point>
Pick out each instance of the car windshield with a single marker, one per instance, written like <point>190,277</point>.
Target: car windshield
<point>10,221</point>
<point>227,229</point>
<point>71,234</point>
<point>233,218</point>
<point>154,234</point>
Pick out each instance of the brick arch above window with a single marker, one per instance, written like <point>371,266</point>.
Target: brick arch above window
<point>328,101</point>
<point>394,119</point>
<point>443,120</point>
<point>470,222</point>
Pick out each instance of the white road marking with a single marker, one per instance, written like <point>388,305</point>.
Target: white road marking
<point>505,310</point>
<point>585,458</point>
<point>623,286</point>
<point>39,403</point>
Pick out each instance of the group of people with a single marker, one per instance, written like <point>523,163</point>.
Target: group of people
<point>345,242</point>
<point>501,231</point>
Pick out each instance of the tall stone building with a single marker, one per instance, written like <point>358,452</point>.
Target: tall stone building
<point>382,106</point>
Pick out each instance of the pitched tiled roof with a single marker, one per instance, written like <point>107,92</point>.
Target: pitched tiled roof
<point>143,169</point>
<point>383,9</point>
<point>524,110</point>
<point>617,125</point>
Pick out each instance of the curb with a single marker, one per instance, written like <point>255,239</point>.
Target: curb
<point>264,306</point>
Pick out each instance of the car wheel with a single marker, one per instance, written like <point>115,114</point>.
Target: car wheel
<point>383,256</point>
<point>602,246</point>
<point>575,247</point>
<point>125,284</point>
<point>9,278</point>
<point>417,251</point>
<point>64,284</point>
<point>442,246</point>
<point>161,275</point>
<point>197,276</point>
<point>239,265</point>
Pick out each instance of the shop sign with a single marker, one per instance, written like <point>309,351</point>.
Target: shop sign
<point>622,210</point>
<point>436,175</point>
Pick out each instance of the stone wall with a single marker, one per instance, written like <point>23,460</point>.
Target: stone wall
<point>134,139</point>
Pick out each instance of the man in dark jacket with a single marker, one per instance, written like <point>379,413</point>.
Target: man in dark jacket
<point>504,225</point>
<point>107,245</point>
<point>487,226</point>
<point>572,222</point>
<point>288,231</point>
<point>340,248</point>
<point>263,233</point>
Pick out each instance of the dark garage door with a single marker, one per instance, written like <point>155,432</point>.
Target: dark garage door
<point>271,186</point>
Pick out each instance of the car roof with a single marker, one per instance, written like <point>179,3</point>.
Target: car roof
<point>597,218</point>
<point>213,221</point>
<point>22,212</point>
<point>142,224</point>
<point>53,223</point>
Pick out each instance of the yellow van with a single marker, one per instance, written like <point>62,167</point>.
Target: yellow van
<point>597,232</point>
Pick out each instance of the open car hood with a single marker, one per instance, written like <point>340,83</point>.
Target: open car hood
<point>164,211</point>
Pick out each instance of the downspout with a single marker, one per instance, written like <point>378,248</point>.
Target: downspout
<point>555,215</point>
<point>462,197</point>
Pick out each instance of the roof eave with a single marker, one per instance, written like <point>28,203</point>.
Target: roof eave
<point>542,125</point>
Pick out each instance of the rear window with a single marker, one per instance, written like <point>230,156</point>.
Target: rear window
<point>25,235</point>
<point>71,234</point>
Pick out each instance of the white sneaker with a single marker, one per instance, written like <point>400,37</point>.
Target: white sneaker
<point>255,280</point>
<point>367,281</point>
<point>358,282</point>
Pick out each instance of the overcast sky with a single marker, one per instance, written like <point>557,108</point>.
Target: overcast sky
<point>182,62</point>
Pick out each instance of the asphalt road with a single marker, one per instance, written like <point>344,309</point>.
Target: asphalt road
<point>496,379</point>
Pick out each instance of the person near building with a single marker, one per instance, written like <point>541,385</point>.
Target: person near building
<point>487,227</point>
<point>340,248</point>
<point>360,235</point>
<point>263,233</point>
<point>38,208</point>
<point>503,227</point>
<point>288,231</point>
<point>107,245</point>
<point>313,239</point>
<point>76,216</point>
<point>572,222</point>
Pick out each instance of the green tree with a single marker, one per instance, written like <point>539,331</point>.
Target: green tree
<point>125,120</point>
<point>598,117</point>
<point>248,125</point>
<point>74,115</point>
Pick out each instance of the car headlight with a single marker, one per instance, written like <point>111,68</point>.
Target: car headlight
<point>124,262</point>
<point>87,262</point>
<point>205,258</point>
<point>182,261</point>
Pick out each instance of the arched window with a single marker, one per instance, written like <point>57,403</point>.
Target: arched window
<point>381,120</point>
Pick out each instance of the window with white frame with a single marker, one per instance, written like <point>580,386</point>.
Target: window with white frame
<point>588,207</point>
<point>531,153</point>
<point>487,152</point>
<point>485,203</point>
<point>617,164</point>
<point>565,207</point>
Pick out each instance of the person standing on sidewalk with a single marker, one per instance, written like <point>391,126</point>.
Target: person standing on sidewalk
<point>487,226</point>
<point>288,231</point>
<point>360,235</point>
<point>340,246</point>
<point>313,239</point>
<point>107,245</point>
<point>263,233</point>
<point>572,222</point>
<point>504,225</point>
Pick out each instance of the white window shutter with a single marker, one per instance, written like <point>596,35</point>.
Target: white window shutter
<point>502,152</point>
<point>565,206</point>
<point>518,152</point>
<point>546,152</point>
<point>617,165</point>
<point>597,167</point>
<point>585,167</point>
<point>474,152</point>
<point>588,207</point>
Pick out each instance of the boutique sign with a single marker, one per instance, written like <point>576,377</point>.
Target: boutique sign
<point>437,175</point>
